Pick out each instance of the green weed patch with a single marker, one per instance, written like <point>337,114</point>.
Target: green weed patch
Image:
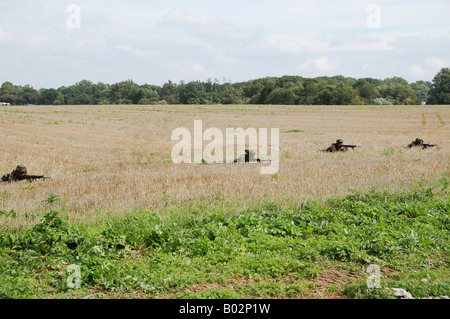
<point>279,253</point>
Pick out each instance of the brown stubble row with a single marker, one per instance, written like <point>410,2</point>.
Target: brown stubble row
<point>112,160</point>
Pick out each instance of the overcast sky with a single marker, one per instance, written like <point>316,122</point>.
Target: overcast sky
<point>58,43</point>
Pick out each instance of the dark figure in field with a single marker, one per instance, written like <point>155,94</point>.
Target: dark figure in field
<point>336,147</point>
<point>339,147</point>
<point>15,175</point>
<point>418,142</point>
<point>20,174</point>
<point>247,158</point>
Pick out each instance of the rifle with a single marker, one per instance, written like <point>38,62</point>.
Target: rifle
<point>350,146</point>
<point>254,160</point>
<point>30,178</point>
<point>331,150</point>
<point>424,146</point>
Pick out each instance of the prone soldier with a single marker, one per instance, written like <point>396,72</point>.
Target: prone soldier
<point>339,147</point>
<point>419,142</point>
<point>249,157</point>
<point>20,174</point>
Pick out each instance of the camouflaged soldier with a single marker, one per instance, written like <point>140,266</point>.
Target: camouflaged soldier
<point>20,174</point>
<point>250,156</point>
<point>419,142</point>
<point>247,158</point>
<point>416,142</point>
<point>15,175</point>
<point>337,147</point>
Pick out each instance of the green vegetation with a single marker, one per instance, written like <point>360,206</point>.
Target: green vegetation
<point>294,131</point>
<point>440,89</point>
<point>388,151</point>
<point>285,90</point>
<point>264,253</point>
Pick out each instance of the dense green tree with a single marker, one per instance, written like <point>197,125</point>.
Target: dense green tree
<point>400,94</point>
<point>344,80</point>
<point>343,94</point>
<point>59,100</point>
<point>288,89</point>
<point>396,80</point>
<point>7,88</point>
<point>259,90</point>
<point>421,89</point>
<point>100,91</point>
<point>192,93</point>
<point>282,96</point>
<point>325,93</point>
<point>48,96</point>
<point>366,91</point>
<point>228,96</point>
<point>146,95</point>
<point>252,88</point>
<point>30,95</point>
<point>375,82</point>
<point>7,93</point>
<point>288,81</point>
<point>125,92</point>
<point>309,92</point>
<point>440,89</point>
<point>168,93</point>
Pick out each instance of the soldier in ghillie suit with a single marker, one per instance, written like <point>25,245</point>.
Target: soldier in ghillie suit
<point>418,142</point>
<point>20,174</point>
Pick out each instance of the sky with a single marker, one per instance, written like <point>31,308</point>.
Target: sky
<point>49,44</point>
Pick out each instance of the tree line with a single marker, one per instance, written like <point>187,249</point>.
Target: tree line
<point>285,90</point>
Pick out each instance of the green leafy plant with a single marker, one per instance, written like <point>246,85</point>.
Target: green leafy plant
<point>282,253</point>
<point>52,198</point>
<point>388,151</point>
<point>294,131</point>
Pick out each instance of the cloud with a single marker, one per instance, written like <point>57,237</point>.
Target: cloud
<point>417,71</point>
<point>198,68</point>
<point>135,50</point>
<point>284,44</point>
<point>353,38</point>
<point>436,63</point>
<point>152,41</point>
<point>208,27</point>
<point>321,64</point>
<point>6,36</point>
<point>183,18</point>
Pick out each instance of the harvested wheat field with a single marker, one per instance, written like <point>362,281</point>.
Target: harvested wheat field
<point>119,219</point>
<point>115,159</point>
